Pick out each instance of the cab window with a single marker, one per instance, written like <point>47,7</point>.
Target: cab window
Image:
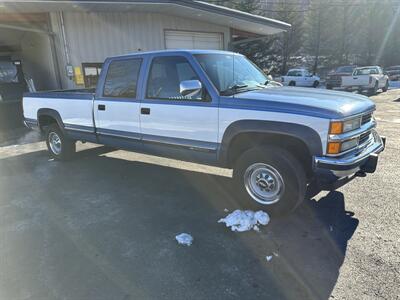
<point>166,74</point>
<point>121,79</point>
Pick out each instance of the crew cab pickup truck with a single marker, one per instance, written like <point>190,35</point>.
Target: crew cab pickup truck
<point>300,77</point>
<point>334,78</point>
<point>370,79</point>
<point>217,108</point>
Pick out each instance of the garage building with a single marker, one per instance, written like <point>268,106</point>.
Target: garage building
<point>62,44</point>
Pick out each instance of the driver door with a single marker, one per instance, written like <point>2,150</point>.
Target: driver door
<point>171,121</point>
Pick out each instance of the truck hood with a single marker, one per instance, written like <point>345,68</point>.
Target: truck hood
<point>305,101</point>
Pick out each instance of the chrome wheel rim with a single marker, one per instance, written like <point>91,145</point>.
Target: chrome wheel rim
<point>55,143</point>
<point>264,183</point>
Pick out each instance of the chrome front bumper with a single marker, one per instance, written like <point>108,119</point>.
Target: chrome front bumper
<point>364,160</point>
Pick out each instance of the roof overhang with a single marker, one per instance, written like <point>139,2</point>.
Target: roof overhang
<point>197,10</point>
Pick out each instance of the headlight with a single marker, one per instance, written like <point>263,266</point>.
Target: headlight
<point>348,145</point>
<point>339,127</point>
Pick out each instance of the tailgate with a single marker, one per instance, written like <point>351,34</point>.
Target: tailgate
<point>356,80</point>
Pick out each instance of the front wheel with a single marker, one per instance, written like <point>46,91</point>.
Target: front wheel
<point>59,146</point>
<point>315,84</point>
<point>269,178</point>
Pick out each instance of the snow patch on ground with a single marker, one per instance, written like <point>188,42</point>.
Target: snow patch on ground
<point>268,257</point>
<point>184,239</point>
<point>246,220</point>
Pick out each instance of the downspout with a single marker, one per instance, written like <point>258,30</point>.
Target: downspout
<point>63,34</point>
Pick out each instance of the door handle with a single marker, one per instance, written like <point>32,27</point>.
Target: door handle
<point>145,111</point>
<point>101,107</point>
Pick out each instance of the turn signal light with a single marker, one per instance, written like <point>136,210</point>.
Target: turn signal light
<point>333,148</point>
<point>336,128</point>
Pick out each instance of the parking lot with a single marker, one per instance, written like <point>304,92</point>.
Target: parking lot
<point>103,226</point>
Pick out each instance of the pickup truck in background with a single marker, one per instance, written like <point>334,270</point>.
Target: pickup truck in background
<point>217,108</point>
<point>393,73</point>
<point>334,78</point>
<point>369,79</point>
<point>300,77</point>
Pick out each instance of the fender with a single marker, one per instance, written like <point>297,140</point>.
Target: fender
<point>306,134</point>
<point>51,113</point>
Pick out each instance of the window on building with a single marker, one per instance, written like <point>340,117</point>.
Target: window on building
<point>91,74</point>
<point>165,77</point>
<point>122,77</point>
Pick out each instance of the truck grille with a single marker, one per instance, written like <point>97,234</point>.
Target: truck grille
<point>364,138</point>
<point>366,118</point>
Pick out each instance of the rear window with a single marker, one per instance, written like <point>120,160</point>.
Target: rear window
<point>366,71</point>
<point>294,73</point>
<point>8,72</point>
<point>121,79</point>
<point>344,69</point>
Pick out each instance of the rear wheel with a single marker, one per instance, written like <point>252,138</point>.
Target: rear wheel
<point>269,178</point>
<point>386,87</point>
<point>292,83</point>
<point>374,90</point>
<point>316,84</point>
<point>59,146</point>
<point>328,87</point>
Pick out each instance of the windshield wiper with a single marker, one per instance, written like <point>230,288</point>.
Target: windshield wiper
<point>233,89</point>
<point>263,84</point>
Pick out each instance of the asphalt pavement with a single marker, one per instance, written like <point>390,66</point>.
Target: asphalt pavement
<point>103,226</point>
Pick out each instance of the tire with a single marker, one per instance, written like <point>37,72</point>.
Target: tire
<point>59,146</point>
<point>315,84</point>
<point>374,90</point>
<point>328,87</point>
<point>386,87</point>
<point>292,83</point>
<point>278,164</point>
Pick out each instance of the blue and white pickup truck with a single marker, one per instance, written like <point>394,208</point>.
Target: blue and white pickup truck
<point>217,108</point>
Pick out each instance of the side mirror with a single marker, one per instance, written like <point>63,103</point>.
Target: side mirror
<point>190,87</point>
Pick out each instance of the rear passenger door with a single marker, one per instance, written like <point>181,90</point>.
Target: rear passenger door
<point>170,120</point>
<point>116,107</point>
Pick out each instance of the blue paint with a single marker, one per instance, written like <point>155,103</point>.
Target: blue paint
<point>118,133</point>
<point>61,95</point>
<point>273,106</point>
<point>79,127</point>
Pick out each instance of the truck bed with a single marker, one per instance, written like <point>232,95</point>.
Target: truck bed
<point>75,112</point>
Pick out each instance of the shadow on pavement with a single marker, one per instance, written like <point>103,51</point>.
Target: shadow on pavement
<point>114,221</point>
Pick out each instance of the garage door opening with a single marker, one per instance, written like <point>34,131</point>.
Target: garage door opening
<point>26,62</point>
<point>177,39</point>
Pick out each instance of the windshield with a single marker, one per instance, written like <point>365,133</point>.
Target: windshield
<point>8,72</point>
<point>231,73</point>
<point>344,69</point>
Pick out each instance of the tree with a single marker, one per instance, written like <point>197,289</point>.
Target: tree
<point>292,40</point>
<point>314,30</point>
<point>250,6</point>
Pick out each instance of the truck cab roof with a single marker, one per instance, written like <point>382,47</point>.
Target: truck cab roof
<point>177,52</point>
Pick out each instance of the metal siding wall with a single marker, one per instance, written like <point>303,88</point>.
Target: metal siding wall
<point>94,36</point>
